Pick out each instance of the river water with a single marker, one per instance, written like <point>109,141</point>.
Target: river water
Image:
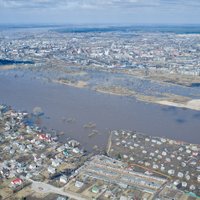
<point>108,112</point>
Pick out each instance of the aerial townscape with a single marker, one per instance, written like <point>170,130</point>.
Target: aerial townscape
<point>100,100</point>
<point>41,163</point>
<point>165,52</point>
<point>35,164</point>
<point>95,60</point>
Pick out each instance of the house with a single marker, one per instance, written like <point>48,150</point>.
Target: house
<point>171,172</point>
<point>192,187</point>
<point>176,182</point>
<point>195,153</point>
<point>131,158</point>
<point>79,184</point>
<point>28,176</point>
<point>108,194</point>
<point>155,166</point>
<point>63,179</point>
<point>125,156</point>
<point>184,184</point>
<point>56,162</point>
<point>73,143</point>
<point>19,170</point>
<point>30,147</point>
<point>12,174</point>
<point>198,178</point>
<point>44,137</point>
<point>32,166</point>
<point>61,148</point>
<point>43,156</point>
<point>123,198</point>
<point>187,177</point>
<point>122,185</point>
<point>162,168</point>
<point>65,152</point>
<point>66,146</point>
<point>183,164</point>
<point>76,150</point>
<point>41,146</point>
<point>5,172</point>
<point>180,174</point>
<point>51,170</point>
<point>62,198</point>
<point>179,158</point>
<point>95,189</point>
<point>17,181</point>
<point>22,147</point>
<point>12,151</point>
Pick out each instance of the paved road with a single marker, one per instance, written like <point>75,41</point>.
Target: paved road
<point>41,187</point>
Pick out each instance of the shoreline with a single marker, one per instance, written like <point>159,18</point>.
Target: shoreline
<point>193,104</point>
<point>169,100</point>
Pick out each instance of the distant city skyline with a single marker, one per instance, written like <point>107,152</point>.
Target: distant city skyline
<point>100,11</point>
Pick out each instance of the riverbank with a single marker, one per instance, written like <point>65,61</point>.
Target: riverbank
<point>167,99</point>
<point>192,104</point>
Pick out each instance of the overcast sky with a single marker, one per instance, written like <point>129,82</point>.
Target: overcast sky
<point>100,11</point>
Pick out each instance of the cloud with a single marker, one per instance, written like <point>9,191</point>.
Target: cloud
<point>29,3</point>
<point>130,11</point>
<point>97,4</point>
<point>79,3</point>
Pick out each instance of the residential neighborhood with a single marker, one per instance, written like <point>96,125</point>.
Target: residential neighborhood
<point>35,164</point>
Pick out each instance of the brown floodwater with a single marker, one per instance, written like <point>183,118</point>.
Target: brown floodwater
<point>108,112</point>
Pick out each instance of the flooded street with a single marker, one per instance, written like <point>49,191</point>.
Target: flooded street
<point>108,112</point>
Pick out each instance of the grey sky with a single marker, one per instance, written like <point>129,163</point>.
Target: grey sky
<point>100,11</point>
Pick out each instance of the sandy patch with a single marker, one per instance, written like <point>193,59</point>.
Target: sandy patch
<point>114,90</point>
<point>7,67</point>
<point>78,84</point>
<point>192,104</point>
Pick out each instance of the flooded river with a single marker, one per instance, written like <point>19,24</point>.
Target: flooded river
<point>108,112</point>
